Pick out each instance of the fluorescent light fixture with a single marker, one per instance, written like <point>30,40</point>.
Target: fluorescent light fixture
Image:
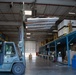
<point>72,13</point>
<point>28,33</point>
<point>28,12</point>
<point>39,28</point>
<point>28,37</point>
<point>26,27</point>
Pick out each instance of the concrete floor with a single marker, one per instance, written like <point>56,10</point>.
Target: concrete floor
<point>41,66</point>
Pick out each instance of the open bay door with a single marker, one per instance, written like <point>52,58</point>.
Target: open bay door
<point>30,48</point>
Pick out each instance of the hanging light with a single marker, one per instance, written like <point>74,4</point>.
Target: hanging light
<point>28,33</point>
<point>28,12</point>
<point>72,13</point>
<point>28,37</point>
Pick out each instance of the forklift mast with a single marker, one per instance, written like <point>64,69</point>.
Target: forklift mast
<point>21,42</point>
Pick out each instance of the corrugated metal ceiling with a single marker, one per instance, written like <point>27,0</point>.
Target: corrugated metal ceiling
<point>13,14</point>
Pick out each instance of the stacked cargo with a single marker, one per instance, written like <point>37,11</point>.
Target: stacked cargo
<point>2,37</point>
<point>42,43</point>
<point>47,40</point>
<point>66,26</point>
<point>55,36</point>
<point>73,25</point>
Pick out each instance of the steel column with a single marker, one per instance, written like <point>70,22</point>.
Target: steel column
<point>56,49</point>
<point>68,51</point>
<point>49,49</point>
<point>71,40</point>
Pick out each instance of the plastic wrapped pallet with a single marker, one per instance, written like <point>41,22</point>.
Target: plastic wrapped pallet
<point>73,22</point>
<point>66,26</point>
<point>73,29</point>
<point>63,31</point>
<point>55,36</point>
<point>63,23</point>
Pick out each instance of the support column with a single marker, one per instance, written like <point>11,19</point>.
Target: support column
<point>56,49</point>
<point>21,36</point>
<point>23,40</point>
<point>68,51</point>
<point>49,47</point>
<point>49,51</point>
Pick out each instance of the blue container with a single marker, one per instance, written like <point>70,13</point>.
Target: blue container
<point>74,62</point>
<point>74,56</point>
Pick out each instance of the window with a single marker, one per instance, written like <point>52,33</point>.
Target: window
<point>9,49</point>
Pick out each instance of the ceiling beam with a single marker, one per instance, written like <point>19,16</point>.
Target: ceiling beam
<point>57,2</point>
<point>28,31</point>
<point>66,3</point>
<point>11,20</point>
<point>3,15</point>
<point>8,30</point>
<point>68,16</point>
<point>10,23</point>
<point>51,15</point>
<point>10,13</point>
<point>10,33</point>
<point>36,30</point>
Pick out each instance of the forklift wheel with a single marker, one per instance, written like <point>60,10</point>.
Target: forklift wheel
<point>18,69</point>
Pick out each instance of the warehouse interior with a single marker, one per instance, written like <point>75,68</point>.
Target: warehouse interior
<point>49,33</point>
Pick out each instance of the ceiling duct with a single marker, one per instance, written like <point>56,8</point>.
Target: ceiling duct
<point>33,8</point>
<point>40,23</point>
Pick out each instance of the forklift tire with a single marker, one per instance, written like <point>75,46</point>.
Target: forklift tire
<point>18,69</point>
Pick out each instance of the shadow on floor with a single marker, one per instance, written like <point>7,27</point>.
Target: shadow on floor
<point>6,73</point>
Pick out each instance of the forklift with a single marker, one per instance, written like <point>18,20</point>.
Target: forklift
<point>12,58</point>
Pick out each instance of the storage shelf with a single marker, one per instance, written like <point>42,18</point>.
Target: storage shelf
<point>67,39</point>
